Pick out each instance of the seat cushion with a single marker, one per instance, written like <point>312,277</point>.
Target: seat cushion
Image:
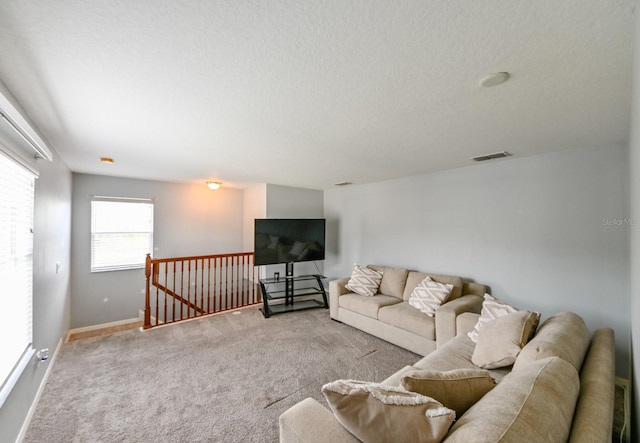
<point>368,306</point>
<point>415,278</point>
<point>404,316</point>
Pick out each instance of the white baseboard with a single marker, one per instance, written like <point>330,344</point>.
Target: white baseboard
<point>36,399</point>
<point>101,326</point>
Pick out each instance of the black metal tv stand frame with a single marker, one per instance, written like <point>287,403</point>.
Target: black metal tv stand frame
<point>279,294</point>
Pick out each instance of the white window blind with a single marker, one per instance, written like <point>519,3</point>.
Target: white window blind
<point>16,271</point>
<point>121,233</point>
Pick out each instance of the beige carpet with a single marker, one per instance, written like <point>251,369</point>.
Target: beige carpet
<point>224,378</point>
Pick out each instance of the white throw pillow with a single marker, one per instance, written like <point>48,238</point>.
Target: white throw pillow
<point>364,281</point>
<point>491,309</point>
<point>429,295</point>
<point>501,340</point>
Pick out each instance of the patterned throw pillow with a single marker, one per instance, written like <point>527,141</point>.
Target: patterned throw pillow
<point>364,281</point>
<point>429,295</point>
<point>492,309</point>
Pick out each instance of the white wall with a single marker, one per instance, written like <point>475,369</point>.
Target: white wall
<point>255,206</point>
<point>189,219</point>
<point>289,202</point>
<point>533,229</point>
<point>51,294</point>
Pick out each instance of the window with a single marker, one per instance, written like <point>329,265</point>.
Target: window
<point>16,271</point>
<point>121,233</point>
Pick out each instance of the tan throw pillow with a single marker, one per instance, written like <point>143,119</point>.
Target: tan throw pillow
<point>364,281</point>
<point>429,295</point>
<point>374,412</point>
<point>491,309</point>
<point>458,389</point>
<point>501,340</point>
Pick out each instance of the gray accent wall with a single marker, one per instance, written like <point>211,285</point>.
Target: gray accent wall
<point>545,233</point>
<point>189,219</point>
<point>51,293</point>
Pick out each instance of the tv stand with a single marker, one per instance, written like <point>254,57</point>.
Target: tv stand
<point>291,293</point>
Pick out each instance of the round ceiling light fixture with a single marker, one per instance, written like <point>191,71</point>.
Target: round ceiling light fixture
<point>494,79</point>
<point>214,185</point>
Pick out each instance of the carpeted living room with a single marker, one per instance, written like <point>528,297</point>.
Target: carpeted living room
<point>234,221</point>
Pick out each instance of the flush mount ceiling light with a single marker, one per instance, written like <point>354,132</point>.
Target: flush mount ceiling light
<point>214,185</point>
<point>106,160</point>
<point>494,79</point>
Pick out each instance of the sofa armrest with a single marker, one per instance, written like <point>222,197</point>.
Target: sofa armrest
<point>310,422</point>
<point>593,416</point>
<point>336,289</point>
<point>447,314</point>
<point>466,322</point>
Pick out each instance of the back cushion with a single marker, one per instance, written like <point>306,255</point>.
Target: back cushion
<point>415,278</point>
<point>532,405</point>
<point>393,280</point>
<point>474,288</point>
<point>564,335</point>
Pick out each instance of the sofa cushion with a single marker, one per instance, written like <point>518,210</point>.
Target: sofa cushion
<point>564,335</point>
<point>501,340</point>
<point>364,281</point>
<point>404,316</point>
<point>455,354</point>
<point>374,412</point>
<point>429,295</point>
<point>493,308</point>
<point>393,280</point>
<point>458,389</point>
<point>368,306</point>
<point>415,278</point>
<point>532,405</point>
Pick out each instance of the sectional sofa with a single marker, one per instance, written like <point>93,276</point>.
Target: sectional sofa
<point>495,374</point>
<point>561,388</point>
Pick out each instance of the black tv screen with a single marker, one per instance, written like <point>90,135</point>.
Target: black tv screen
<point>288,240</point>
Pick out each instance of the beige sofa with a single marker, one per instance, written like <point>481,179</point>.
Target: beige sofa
<point>561,388</point>
<point>389,316</point>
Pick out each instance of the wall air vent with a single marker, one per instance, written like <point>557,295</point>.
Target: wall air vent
<point>481,158</point>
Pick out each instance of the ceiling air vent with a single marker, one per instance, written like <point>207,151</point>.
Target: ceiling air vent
<point>481,158</point>
<point>342,184</point>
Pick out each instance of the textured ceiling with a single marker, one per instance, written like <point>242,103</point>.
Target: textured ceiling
<point>310,93</point>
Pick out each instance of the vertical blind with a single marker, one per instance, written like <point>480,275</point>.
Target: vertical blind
<point>121,233</point>
<point>16,270</point>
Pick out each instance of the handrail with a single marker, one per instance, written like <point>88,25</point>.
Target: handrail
<point>181,288</point>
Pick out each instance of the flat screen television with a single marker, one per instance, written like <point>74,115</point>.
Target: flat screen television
<point>288,240</point>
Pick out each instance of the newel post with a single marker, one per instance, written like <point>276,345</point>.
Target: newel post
<point>147,295</point>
